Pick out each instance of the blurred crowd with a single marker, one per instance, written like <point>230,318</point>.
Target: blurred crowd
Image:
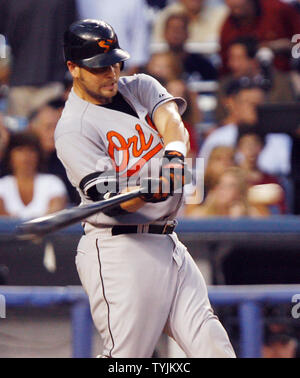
<point>228,58</point>
<point>232,60</point>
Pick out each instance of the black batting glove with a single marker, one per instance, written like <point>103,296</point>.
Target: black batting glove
<point>175,170</point>
<point>174,174</point>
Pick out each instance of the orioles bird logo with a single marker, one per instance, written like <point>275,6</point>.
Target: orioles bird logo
<point>105,44</point>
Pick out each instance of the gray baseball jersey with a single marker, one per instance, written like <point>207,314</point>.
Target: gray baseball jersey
<point>140,283</point>
<point>91,139</point>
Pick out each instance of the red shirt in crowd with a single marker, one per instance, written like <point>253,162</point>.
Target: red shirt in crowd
<point>277,21</point>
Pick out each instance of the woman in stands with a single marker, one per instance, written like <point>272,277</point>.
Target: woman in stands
<point>230,197</point>
<point>24,191</point>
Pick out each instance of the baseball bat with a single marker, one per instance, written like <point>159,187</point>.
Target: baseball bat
<point>39,227</point>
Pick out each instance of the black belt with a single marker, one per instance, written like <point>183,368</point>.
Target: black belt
<point>151,229</point>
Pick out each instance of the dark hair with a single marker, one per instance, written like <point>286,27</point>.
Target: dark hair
<point>20,139</point>
<point>67,80</point>
<point>249,42</point>
<point>56,103</point>
<point>257,7</point>
<point>283,335</point>
<point>246,129</point>
<point>237,85</point>
<point>182,16</point>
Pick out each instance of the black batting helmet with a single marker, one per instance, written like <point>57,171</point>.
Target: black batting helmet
<point>93,44</point>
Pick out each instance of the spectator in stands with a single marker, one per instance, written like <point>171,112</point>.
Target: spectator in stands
<point>5,73</point>
<point>220,159</point>
<point>279,342</point>
<point>228,198</point>
<point>42,123</point>
<point>205,21</point>
<point>160,4</point>
<point>296,4</point>
<point>280,346</point>
<point>68,84</point>
<point>130,21</point>
<point>33,29</point>
<point>249,146</point>
<point>192,116</point>
<point>4,139</point>
<point>164,67</point>
<point>272,22</point>
<point>242,97</point>
<point>243,60</point>
<point>25,192</point>
<point>196,66</point>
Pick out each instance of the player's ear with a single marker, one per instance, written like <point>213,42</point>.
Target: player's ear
<point>73,68</point>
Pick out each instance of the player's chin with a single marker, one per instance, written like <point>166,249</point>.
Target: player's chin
<point>108,94</point>
<point>110,90</point>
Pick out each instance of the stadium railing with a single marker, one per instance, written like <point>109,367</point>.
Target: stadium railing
<point>248,299</point>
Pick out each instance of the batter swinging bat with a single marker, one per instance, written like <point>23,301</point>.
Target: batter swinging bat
<point>39,227</point>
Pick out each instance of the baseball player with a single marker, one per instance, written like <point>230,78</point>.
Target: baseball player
<point>114,131</point>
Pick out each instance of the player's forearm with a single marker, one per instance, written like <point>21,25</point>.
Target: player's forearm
<point>176,132</point>
<point>169,124</point>
<point>132,205</point>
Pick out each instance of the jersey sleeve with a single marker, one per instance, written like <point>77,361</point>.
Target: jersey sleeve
<point>152,94</point>
<point>83,160</point>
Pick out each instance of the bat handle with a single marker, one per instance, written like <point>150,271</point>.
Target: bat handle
<point>149,184</point>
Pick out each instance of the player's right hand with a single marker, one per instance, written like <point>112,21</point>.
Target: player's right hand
<point>155,190</point>
<point>174,174</point>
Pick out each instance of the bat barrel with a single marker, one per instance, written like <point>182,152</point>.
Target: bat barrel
<point>39,227</point>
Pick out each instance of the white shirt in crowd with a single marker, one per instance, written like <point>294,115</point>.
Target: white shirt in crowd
<point>46,187</point>
<point>204,28</point>
<point>274,159</point>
